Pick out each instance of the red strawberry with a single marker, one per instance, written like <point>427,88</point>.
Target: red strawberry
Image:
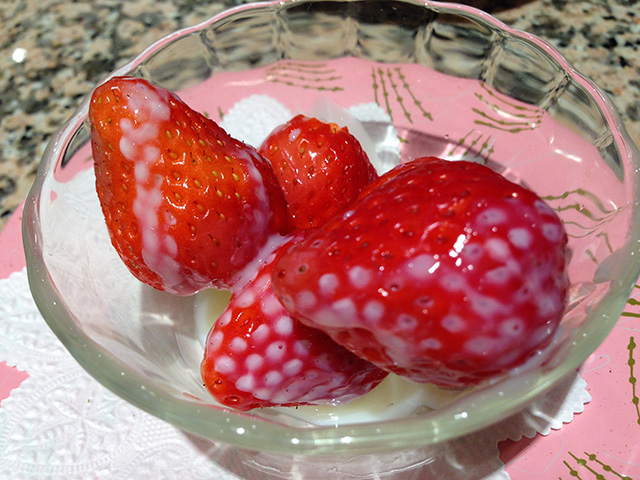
<point>444,272</point>
<point>258,355</point>
<point>186,205</point>
<point>321,168</point>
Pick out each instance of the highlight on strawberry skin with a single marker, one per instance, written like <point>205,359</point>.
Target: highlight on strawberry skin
<point>186,205</point>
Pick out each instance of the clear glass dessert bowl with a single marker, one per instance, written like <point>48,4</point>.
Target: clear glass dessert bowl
<point>423,78</point>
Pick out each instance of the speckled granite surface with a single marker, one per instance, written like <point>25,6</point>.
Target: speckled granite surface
<point>53,52</point>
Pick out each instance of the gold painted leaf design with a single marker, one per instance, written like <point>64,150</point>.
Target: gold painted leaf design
<point>391,89</point>
<point>592,467</point>
<point>496,112</point>
<point>306,75</point>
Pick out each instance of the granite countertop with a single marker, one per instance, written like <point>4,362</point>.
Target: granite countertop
<point>52,54</point>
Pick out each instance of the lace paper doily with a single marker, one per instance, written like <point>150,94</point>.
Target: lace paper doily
<point>62,424</point>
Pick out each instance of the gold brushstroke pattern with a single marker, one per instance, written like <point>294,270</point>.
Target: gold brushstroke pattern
<point>390,84</point>
<point>593,466</point>
<point>305,75</point>
<point>500,114</point>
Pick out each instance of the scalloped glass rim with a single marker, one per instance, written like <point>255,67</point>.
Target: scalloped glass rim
<point>467,415</point>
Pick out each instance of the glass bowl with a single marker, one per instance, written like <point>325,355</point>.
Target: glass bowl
<point>424,78</point>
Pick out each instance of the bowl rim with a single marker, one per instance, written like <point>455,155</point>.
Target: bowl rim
<point>240,429</point>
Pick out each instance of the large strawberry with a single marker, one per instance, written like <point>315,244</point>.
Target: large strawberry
<point>444,272</point>
<point>186,205</point>
<point>258,355</point>
<point>321,168</point>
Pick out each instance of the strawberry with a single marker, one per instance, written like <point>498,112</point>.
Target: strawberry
<point>258,355</point>
<point>186,205</point>
<point>443,272</point>
<point>321,168</point>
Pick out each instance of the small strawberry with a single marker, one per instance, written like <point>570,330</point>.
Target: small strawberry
<point>443,272</point>
<point>258,355</point>
<point>321,168</point>
<point>186,205</point>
